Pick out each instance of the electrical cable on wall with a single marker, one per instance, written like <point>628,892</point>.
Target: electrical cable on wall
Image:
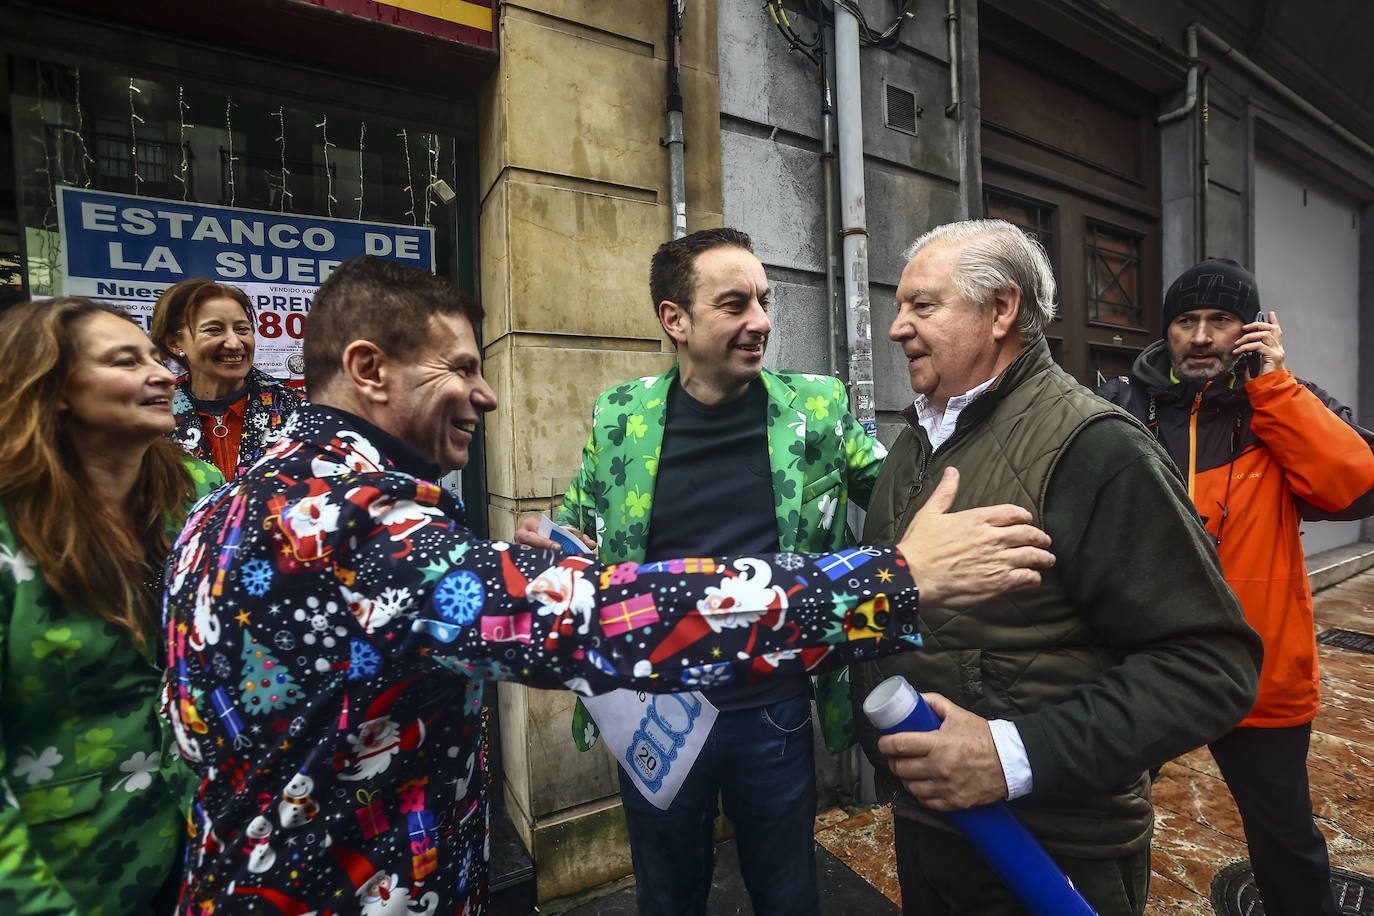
<point>432,161</point>
<point>808,49</point>
<point>49,240</point>
<point>886,38</point>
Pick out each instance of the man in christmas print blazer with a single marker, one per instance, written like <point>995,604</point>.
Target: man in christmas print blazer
<point>330,622</point>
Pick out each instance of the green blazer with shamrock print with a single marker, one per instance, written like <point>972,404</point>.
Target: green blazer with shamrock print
<point>820,456</point>
<point>94,801</point>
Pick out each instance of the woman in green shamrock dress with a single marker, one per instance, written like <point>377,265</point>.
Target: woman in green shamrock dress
<point>92,801</point>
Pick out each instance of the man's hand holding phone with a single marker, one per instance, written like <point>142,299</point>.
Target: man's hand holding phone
<point>1260,350</point>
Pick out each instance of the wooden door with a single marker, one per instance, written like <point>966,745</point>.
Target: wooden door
<point>1070,153</point>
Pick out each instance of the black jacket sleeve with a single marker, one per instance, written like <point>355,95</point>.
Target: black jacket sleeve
<point>1138,564</point>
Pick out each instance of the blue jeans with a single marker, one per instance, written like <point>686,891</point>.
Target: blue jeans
<point>761,764</point>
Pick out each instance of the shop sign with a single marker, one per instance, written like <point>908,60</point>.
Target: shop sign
<point>127,249</point>
<point>470,22</point>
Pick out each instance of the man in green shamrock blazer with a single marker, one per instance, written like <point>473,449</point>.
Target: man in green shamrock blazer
<point>719,455</point>
<point>819,458</point>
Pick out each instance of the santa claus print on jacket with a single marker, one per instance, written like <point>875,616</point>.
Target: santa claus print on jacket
<point>330,624</point>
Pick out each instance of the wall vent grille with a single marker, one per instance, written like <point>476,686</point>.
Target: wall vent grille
<point>900,109</point>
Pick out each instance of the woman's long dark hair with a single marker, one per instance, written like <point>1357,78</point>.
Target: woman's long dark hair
<point>85,552</point>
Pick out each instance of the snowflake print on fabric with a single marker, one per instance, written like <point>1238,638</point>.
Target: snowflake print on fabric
<point>395,601</point>
<point>703,676</point>
<point>363,660</point>
<point>257,577</point>
<point>790,561</point>
<point>220,663</point>
<point>459,596</point>
<point>464,871</point>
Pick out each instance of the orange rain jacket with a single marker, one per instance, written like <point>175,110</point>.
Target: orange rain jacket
<point>1258,459</point>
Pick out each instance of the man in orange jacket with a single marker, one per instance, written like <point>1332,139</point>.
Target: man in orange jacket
<point>1261,451</point>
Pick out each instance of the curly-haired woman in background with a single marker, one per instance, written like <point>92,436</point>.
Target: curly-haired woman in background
<point>92,491</point>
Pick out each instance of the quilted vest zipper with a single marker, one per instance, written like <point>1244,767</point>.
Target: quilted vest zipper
<point>919,483</point>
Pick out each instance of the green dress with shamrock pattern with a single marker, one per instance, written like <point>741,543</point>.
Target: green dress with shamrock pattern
<point>94,801</point>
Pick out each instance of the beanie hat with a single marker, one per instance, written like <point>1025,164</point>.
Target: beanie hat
<point>1217,283</point>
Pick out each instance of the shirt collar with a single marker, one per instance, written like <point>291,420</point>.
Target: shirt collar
<point>939,424</point>
<point>926,408</point>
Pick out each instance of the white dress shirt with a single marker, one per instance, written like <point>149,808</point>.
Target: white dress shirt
<point>1011,750</point>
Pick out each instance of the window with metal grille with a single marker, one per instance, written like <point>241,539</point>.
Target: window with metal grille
<point>115,147</point>
<point>1112,256</point>
<point>1036,217</point>
<point>901,110</point>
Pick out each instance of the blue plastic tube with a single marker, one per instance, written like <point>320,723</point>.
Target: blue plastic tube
<point>1017,858</point>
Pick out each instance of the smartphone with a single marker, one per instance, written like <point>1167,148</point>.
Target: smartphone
<point>1252,362</point>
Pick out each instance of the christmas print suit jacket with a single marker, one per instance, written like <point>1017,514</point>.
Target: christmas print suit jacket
<point>330,623</point>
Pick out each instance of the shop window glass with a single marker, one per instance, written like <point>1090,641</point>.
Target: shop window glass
<point>103,130</point>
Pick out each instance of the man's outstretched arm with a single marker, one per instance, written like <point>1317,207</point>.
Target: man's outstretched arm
<point>555,620</point>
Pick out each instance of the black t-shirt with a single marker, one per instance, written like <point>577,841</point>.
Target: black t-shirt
<point>714,496</point>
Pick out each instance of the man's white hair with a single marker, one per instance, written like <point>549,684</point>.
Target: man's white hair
<point>996,255</point>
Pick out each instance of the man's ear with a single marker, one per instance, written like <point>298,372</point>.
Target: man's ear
<point>675,320</point>
<point>1006,308</point>
<point>368,371</point>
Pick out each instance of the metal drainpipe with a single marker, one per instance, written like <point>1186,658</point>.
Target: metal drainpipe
<point>828,180</point>
<point>849,121</point>
<point>1204,171</point>
<point>1190,99</point>
<point>1197,31</point>
<point>1278,88</point>
<point>675,142</point>
<point>955,107</point>
<point>1182,111</point>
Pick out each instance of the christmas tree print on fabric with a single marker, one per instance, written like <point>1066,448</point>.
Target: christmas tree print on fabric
<point>267,686</point>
